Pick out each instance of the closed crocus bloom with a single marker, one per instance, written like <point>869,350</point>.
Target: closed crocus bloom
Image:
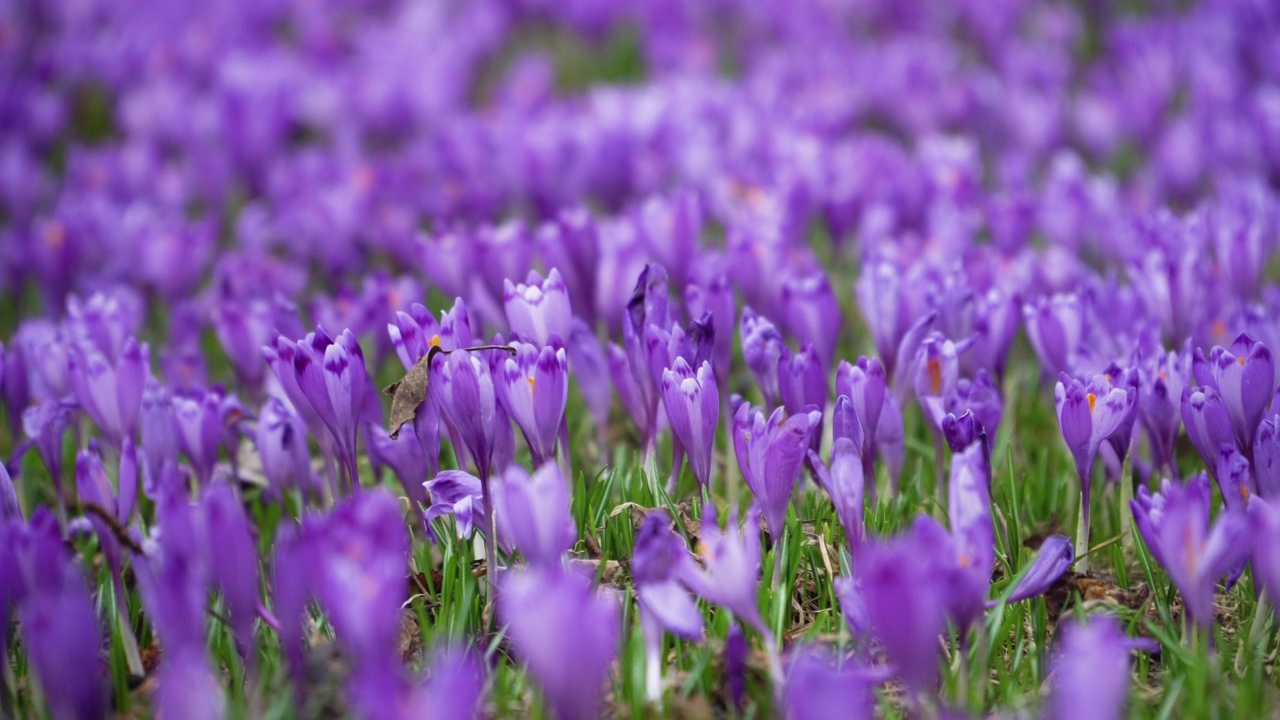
<point>1055,326</point>
<point>762,348</point>
<point>533,513</point>
<point>658,564</point>
<point>692,402</point>
<point>453,687</point>
<point>864,384</point>
<point>1090,675</point>
<point>995,322</point>
<point>242,328</point>
<point>1234,478</point>
<point>937,370</point>
<point>590,370</point>
<point>282,447</point>
<point>1088,418</point>
<point>881,301</point>
<point>1161,380</point>
<point>533,387</point>
<point>803,383</point>
<point>462,383</point>
<point>1244,376</point>
<point>891,441</point>
<point>198,421</point>
<point>159,429</point>
<point>904,601</point>
<point>1264,524</point>
<point>46,424</point>
<point>332,378</point>
<point>981,398</point>
<point>771,453</point>
<point>1053,560</point>
<point>969,508</point>
<point>715,296</point>
<point>63,642</point>
<point>458,493</point>
<point>111,394</point>
<point>538,310</point>
<point>1208,423</point>
<point>542,607</point>
<point>1175,526</point>
<point>233,560</point>
<point>812,313</point>
<point>1266,459</point>
<point>844,482</point>
<point>571,245</point>
<point>404,455</point>
<point>818,687</point>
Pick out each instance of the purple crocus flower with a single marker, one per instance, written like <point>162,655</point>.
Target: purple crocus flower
<point>538,310</point>
<point>1208,422</point>
<point>10,509</point>
<point>282,447</point>
<point>715,295</point>
<point>891,444</point>
<point>542,607</point>
<point>818,687</point>
<point>453,687</point>
<point>732,559</point>
<point>1266,459</point>
<point>771,453</point>
<point>845,484</point>
<point>242,328</point>
<point>46,424</point>
<point>463,384</point>
<point>972,531</point>
<point>995,322</point>
<point>937,371</point>
<point>1088,415</point>
<point>1090,676</point>
<point>111,392</point>
<point>981,397</point>
<point>762,348</point>
<point>904,600</point>
<point>864,384</point>
<point>883,306</point>
<point>1234,478</point>
<point>803,383</point>
<point>533,388</point>
<point>1175,526</point>
<point>1054,558</point>
<point>659,564</point>
<point>533,513</point>
<point>198,421</point>
<point>332,379</point>
<point>1264,523</point>
<point>61,636</point>
<point>1055,326</point>
<point>1244,376</point>
<point>233,561</point>
<point>590,369</point>
<point>1161,380</point>
<point>458,493</point>
<point>812,313</point>
<point>692,402</point>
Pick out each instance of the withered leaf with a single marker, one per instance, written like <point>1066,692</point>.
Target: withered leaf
<point>410,391</point>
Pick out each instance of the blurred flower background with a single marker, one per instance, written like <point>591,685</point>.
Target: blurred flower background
<point>742,358</point>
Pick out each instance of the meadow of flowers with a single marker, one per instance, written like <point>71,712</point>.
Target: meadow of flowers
<point>689,358</point>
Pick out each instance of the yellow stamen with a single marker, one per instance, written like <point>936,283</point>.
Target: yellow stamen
<point>964,560</point>
<point>934,368</point>
<point>1244,493</point>
<point>1093,400</point>
<point>434,341</point>
<point>532,381</point>
<point>1240,359</point>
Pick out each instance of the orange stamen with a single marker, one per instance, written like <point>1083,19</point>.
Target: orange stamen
<point>1093,400</point>
<point>1240,359</point>
<point>934,368</point>
<point>434,341</point>
<point>532,382</point>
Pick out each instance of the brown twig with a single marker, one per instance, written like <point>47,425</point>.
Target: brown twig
<point>121,533</point>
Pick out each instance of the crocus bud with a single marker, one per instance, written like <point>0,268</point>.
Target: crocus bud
<point>883,306</point>
<point>533,513</point>
<point>762,348</point>
<point>111,394</point>
<point>1174,523</point>
<point>538,309</point>
<point>541,608</point>
<point>864,384</point>
<point>1208,423</point>
<point>844,482</point>
<point>464,387</point>
<point>715,296</point>
<point>533,387</point>
<point>692,402</point>
<point>812,313</point>
<point>1090,675</point>
<point>1055,326</point>
<point>1088,415</point>
<point>198,421</point>
<point>936,373</point>
<point>818,687</point>
<point>771,454</point>
<point>282,446</point>
<point>802,383</point>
